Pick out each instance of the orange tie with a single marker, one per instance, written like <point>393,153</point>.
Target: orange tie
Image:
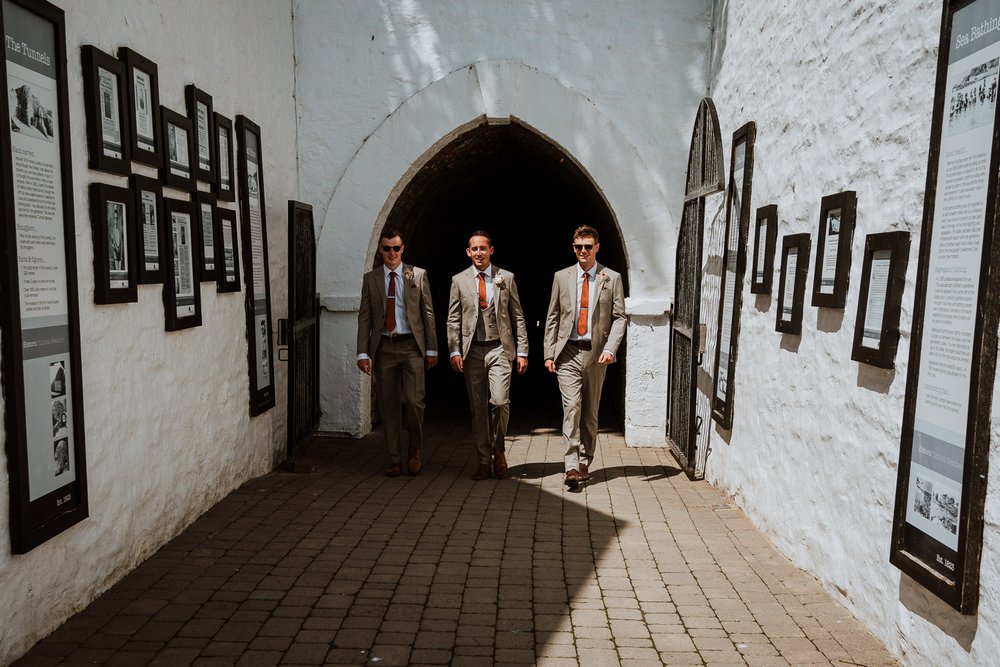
<point>581,324</point>
<point>390,304</point>
<point>482,291</point>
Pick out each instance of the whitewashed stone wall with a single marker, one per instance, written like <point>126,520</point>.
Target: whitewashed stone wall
<point>382,85</point>
<point>842,95</point>
<point>167,426</point>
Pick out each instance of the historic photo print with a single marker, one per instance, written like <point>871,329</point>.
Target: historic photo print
<point>973,98</point>
<point>31,111</point>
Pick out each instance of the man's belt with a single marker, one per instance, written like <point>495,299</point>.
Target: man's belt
<point>393,337</point>
<point>487,343</point>
<point>581,344</point>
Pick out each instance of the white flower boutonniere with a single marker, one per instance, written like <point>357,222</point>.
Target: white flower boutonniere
<point>604,278</point>
<point>408,276</point>
<point>499,282</point>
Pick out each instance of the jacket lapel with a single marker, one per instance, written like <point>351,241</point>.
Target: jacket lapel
<point>596,287</point>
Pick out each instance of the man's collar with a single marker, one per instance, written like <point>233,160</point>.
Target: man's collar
<point>488,270</point>
<point>398,270</point>
<point>592,272</point>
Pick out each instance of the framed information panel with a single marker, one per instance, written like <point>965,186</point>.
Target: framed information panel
<point>763,249</point>
<point>143,85</point>
<point>734,260</point>
<point>181,285</point>
<point>107,111</point>
<point>151,228</point>
<point>883,277</point>
<point>199,108</point>
<point>178,150</point>
<point>833,249</point>
<point>43,394</point>
<point>795,250</point>
<point>112,219</point>
<point>937,532</point>
<point>224,186</point>
<point>229,272</point>
<point>253,229</point>
<point>208,230</point>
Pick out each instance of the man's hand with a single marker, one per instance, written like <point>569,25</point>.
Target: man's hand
<point>456,363</point>
<point>365,365</point>
<point>522,365</point>
<point>550,365</point>
<point>431,361</point>
<point>606,358</point>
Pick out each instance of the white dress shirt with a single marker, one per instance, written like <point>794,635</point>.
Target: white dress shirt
<point>591,294</point>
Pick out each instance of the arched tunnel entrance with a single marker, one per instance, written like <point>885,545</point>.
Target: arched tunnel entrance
<point>530,196</point>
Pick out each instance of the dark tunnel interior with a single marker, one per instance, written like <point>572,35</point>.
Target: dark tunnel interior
<point>529,196</point>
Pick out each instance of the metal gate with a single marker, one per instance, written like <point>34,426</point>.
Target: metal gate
<point>705,176</point>
<point>302,327</point>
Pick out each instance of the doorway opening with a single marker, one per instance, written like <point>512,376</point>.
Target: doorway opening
<point>529,196</point>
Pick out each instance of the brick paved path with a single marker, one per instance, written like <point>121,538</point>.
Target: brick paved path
<point>345,566</point>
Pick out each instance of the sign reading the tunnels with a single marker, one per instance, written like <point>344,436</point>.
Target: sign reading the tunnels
<point>941,485</point>
<point>41,343</point>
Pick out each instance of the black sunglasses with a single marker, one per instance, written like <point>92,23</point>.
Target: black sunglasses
<point>583,246</point>
<point>393,248</point>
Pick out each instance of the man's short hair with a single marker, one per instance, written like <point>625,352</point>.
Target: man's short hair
<point>390,232</point>
<point>479,232</point>
<point>584,231</point>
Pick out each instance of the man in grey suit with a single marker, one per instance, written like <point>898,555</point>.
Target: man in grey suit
<point>583,328</point>
<point>395,335</point>
<point>486,335</point>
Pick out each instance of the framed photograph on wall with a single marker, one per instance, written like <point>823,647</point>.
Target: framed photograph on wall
<point>142,83</point>
<point>883,278</point>
<point>199,108</point>
<point>795,249</point>
<point>181,284</point>
<point>150,230</point>
<point>112,218</point>
<point>765,238</point>
<point>833,249</point>
<point>224,186</point>
<point>40,319</point>
<point>208,232</point>
<point>105,99</point>
<point>178,150</point>
<point>229,270</point>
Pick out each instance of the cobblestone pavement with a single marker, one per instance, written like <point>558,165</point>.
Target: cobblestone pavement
<point>345,566</point>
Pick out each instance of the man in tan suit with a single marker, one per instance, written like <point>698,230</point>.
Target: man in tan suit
<point>395,335</point>
<point>486,335</point>
<point>583,328</point>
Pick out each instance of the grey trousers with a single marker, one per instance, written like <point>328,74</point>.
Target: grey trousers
<point>399,390</point>
<point>487,373</point>
<point>580,382</point>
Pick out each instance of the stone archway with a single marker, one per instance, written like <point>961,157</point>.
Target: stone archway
<point>494,93</point>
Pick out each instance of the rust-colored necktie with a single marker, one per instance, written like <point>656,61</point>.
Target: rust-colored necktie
<point>482,291</point>
<point>390,304</point>
<point>581,323</point>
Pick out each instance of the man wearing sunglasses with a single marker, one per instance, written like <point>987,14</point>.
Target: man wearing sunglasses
<point>583,328</point>
<point>396,334</point>
<point>486,334</point>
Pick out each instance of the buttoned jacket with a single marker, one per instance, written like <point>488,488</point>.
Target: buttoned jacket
<point>606,299</point>
<point>416,293</point>
<point>463,313</point>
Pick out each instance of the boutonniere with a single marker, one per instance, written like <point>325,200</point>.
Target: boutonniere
<point>408,276</point>
<point>604,278</point>
<point>499,282</point>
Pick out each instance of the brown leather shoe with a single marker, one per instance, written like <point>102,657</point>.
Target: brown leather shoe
<point>572,478</point>
<point>584,473</point>
<point>413,464</point>
<point>499,462</point>
<point>482,472</point>
<point>394,470</point>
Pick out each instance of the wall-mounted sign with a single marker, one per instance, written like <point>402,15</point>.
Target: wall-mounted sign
<point>181,284</point>
<point>763,249</point>
<point>937,531</point>
<point>795,250</point>
<point>43,394</point>
<point>834,246</point>
<point>883,277</point>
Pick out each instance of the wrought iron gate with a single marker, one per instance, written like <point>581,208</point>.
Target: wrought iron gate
<point>302,327</point>
<point>705,176</point>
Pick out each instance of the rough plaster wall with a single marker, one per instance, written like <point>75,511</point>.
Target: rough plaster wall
<point>167,426</point>
<point>393,53</point>
<point>842,95</point>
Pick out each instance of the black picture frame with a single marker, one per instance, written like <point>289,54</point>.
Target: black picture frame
<point>113,221</point>
<point>199,108</point>
<point>174,171</point>
<point>208,231</point>
<point>734,266</point>
<point>41,360</point>
<point>256,274</point>
<point>182,282</point>
<point>106,103</point>
<point>883,280</point>
<point>150,229</point>
<point>765,239</point>
<point>945,443</point>
<point>224,186</point>
<point>832,276</point>
<point>229,244</point>
<point>142,82</point>
<point>789,318</point>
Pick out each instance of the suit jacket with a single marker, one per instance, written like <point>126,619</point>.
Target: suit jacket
<point>463,313</point>
<point>607,300</point>
<point>416,300</point>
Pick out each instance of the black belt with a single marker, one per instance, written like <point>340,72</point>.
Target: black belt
<point>487,343</point>
<point>581,344</point>
<point>393,337</point>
